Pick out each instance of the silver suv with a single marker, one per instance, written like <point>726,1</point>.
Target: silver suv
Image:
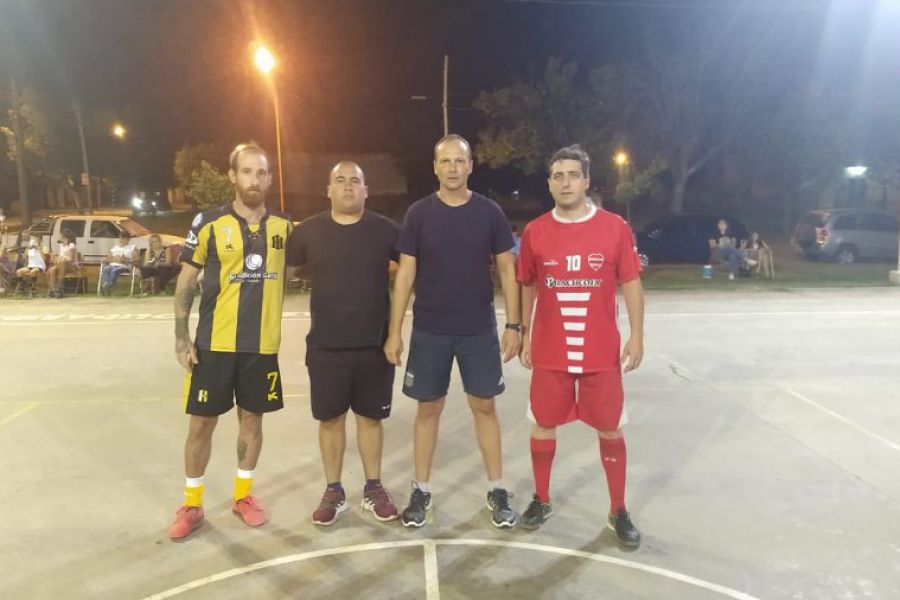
<point>847,235</point>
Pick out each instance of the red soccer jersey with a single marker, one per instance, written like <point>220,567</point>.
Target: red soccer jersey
<point>575,268</point>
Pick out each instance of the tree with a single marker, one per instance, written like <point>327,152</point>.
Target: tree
<point>527,122</point>
<point>188,161</point>
<point>700,78</point>
<point>209,187</point>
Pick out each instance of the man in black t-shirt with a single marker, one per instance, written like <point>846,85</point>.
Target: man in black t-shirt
<point>348,250</point>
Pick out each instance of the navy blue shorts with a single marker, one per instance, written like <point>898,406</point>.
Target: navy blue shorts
<point>431,359</point>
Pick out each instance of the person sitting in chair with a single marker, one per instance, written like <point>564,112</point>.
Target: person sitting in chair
<point>35,263</point>
<point>122,257</point>
<point>65,262</point>
<point>723,248</point>
<point>157,268</point>
<point>758,253</point>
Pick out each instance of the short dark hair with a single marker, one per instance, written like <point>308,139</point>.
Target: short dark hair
<point>124,235</point>
<point>250,146</point>
<point>68,234</point>
<point>573,152</point>
<point>454,138</point>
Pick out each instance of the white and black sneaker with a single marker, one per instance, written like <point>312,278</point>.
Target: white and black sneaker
<point>502,515</point>
<point>416,512</point>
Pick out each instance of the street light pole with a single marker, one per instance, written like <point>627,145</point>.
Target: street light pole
<point>621,160</point>
<point>265,62</point>
<point>86,173</point>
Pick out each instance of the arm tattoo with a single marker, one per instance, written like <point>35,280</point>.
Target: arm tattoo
<point>184,300</point>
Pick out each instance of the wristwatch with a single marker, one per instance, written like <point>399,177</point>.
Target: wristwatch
<point>518,327</point>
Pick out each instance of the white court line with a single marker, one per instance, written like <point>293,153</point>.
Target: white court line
<point>284,560</point>
<point>19,413</point>
<point>432,584</point>
<point>823,313</point>
<point>843,419</point>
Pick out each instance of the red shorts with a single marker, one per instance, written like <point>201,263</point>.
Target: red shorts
<point>599,400</point>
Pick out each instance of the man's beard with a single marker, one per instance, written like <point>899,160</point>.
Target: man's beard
<point>251,197</point>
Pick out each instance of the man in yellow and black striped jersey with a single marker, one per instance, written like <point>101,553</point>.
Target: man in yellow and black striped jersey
<point>240,247</point>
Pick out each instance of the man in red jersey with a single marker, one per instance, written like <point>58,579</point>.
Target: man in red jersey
<point>572,260</point>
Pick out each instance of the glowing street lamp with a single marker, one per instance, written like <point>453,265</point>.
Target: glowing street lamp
<point>265,62</point>
<point>119,131</point>
<point>621,161</point>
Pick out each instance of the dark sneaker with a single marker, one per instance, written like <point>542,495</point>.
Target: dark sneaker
<point>536,513</point>
<point>415,514</point>
<point>331,507</point>
<point>625,530</point>
<point>502,515</point>
<point>379,501</point>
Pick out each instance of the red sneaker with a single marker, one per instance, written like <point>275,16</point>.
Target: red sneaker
<point>187,519</point>
<point>250,511</point>
<point>379,501</point>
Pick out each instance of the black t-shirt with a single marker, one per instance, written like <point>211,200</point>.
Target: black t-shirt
<point>454,247</point>
<point>350,304</point>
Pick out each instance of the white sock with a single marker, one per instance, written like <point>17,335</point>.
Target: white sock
<point>194,482</point>
<point>424,486</point>
<point>497,484</point>
<point>242,474</point>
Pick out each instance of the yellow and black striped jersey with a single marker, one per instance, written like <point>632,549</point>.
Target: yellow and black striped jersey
<point>243,279</point>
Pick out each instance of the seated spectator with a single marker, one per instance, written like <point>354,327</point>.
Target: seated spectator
<point>723,248</point>
<point>6,268</point>
<point>758,253</point>
<point>64,262</point>
<point>122,257</point>
<point>35,263</point>
<point>157,268</point>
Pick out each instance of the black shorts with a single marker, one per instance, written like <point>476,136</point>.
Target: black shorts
<point>341,379</point>
<point>431,360</point>
<point>220,378</point>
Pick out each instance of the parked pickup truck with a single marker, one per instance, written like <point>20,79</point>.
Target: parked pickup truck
<point>94,234</point>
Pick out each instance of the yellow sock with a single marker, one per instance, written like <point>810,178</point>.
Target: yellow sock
<point>242,487</point>
<point>193,496</point>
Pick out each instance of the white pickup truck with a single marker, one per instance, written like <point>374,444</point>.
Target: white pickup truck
<point>94,234</point>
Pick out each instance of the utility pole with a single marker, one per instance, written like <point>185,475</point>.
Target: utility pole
<point>20,154</point>
<point>86,174</point>
<point>444,104</point>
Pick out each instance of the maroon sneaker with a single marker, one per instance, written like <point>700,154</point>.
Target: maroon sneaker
<point>332,506</point>
<point>187,519</point>
<point>379,501</point>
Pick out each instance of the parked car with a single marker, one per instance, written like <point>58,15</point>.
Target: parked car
<point>94,234</point>
<point>144,204</point>
<point>684,238</point>
<point>847,235</point>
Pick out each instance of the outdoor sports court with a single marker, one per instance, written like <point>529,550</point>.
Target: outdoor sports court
<point>763,446</point>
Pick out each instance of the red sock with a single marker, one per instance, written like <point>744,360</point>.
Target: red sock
<point>612,454</point>
<point>542,453</point>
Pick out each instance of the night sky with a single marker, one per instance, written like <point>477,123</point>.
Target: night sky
<point>180,72</point>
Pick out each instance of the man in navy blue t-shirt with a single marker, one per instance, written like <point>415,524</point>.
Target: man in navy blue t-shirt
<point>447,244</point>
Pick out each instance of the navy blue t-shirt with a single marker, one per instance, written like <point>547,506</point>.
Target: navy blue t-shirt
<point>454,247</point>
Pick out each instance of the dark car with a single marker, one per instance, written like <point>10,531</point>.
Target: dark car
<point>684,238</point>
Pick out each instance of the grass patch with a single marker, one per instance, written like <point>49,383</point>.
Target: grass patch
<point>791,271</point>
